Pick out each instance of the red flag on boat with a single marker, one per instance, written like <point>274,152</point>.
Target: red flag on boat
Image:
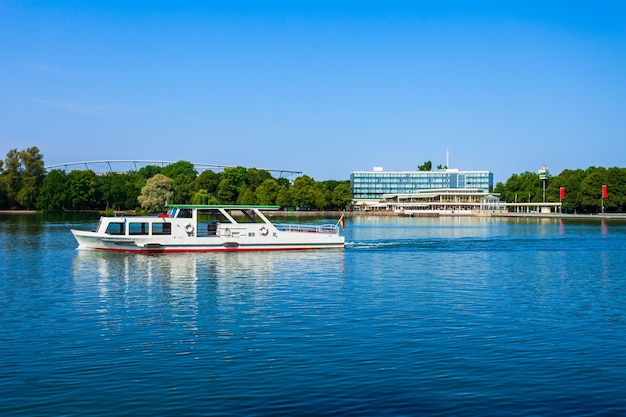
<point>562,193</point>
<point>605,192</point>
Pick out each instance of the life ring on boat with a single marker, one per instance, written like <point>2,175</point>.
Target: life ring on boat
<point>189,228</point>
<point>263,231</point>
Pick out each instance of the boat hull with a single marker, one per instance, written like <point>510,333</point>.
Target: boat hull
<point>287,241</point>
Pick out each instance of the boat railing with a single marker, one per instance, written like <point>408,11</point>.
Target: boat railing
<point>331,229</point>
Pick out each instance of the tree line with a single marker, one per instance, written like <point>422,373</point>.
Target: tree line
<point>582,189</point>
<point>25,184</point>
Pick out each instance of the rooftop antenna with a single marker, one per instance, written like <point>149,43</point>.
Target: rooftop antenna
<point>447,158</point>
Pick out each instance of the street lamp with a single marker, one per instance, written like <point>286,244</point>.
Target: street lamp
<point>543,176</point>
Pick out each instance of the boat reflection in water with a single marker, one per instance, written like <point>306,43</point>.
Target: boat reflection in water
<point>179,286</point>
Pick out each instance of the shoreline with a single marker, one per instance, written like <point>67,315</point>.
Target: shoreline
<point>592,216</point>
<point>314,213</point>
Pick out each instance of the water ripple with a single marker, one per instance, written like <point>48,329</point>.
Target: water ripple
<point>459,319</point>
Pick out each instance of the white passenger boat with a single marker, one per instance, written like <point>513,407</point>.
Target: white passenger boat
<point>207,228</point>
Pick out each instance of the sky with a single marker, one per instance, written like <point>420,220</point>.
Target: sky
<point>321,87</point>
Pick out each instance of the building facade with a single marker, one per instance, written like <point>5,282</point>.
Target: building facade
<point>368,185</point>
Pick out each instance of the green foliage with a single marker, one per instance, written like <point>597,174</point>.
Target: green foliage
<point>53,193</point>
<point>23,183</point>
<point>571,180</point>
<point>134,184</point>
<point>341,196</point>
<point>427,166</point>
<point>282,181</point>
<point>236,176</point>
<point>255,177</point>
<point>180,168</point>
<point>200,197</point>
<point>208,181</point>
<point>11,179</point>
<point>113,190</point>
<point>82,190</point>
<point>227,191</point>
<point>183,174</point>
<point>32,175</point>
<point>321,196</point>
<point>267,192</point>
<point>525,187</point>
<point>156,193</point>
<point>302,193</point>
<point>283,198</point>
<point>246,196</point>
<point>583,189</point>
<point>149,171</point>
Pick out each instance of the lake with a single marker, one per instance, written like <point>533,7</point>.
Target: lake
<point>430,316</point>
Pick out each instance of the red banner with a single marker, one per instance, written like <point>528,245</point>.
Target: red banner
<point>605,192</point>
<point>562,193</point>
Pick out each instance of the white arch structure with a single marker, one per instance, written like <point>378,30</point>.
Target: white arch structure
<point>129,165</point>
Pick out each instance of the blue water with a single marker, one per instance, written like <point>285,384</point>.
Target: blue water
<point>443,316</point>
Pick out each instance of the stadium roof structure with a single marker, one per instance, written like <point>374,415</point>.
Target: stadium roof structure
<point>130,165</point>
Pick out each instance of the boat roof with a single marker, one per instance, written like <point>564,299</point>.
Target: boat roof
<point>221,206</point>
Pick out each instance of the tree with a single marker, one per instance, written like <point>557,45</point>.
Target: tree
<point>149,171</point>
<point>112,189</point>
<point>133,186</point>
<point>156,193</point>
<point>427,166</point>
<point>180,168</point>
<point>81,189</point>
<point>284,182</point>
<point>283,198</point>
<point>53,193</point>
<point>302,193</point>
<point>236,176</point>
<point>521,188</point>
<point>11,177</point>
<point>267,192</point>
<point>246,196</point>
<point>255,177</point>
<point>183,189</point>
<point>591,189</point>
<point>227,192</point>
<point>207,180</point>
<point>32,173</point>
<point>341,196</point>
<point>616,181</point>
<point>321,196</point>
<point>570,180</point>
<point>203,197</point>
<point>183,174</point>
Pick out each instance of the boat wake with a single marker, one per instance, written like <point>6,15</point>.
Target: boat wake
<point>464,244</point>
<point>394,244</point>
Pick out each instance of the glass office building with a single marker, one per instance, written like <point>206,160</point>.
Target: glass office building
<point>373,184</point>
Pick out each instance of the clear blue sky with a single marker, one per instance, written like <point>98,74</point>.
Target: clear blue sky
<point>322,87</point>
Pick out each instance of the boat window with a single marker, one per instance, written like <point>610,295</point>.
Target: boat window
<point>162,228</point>
<point>185,213</point>
<point>138,228</point>
<point>116,228</point>
<point>212,228</point>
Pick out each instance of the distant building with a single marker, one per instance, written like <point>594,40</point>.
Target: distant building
<point>368,185</point>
